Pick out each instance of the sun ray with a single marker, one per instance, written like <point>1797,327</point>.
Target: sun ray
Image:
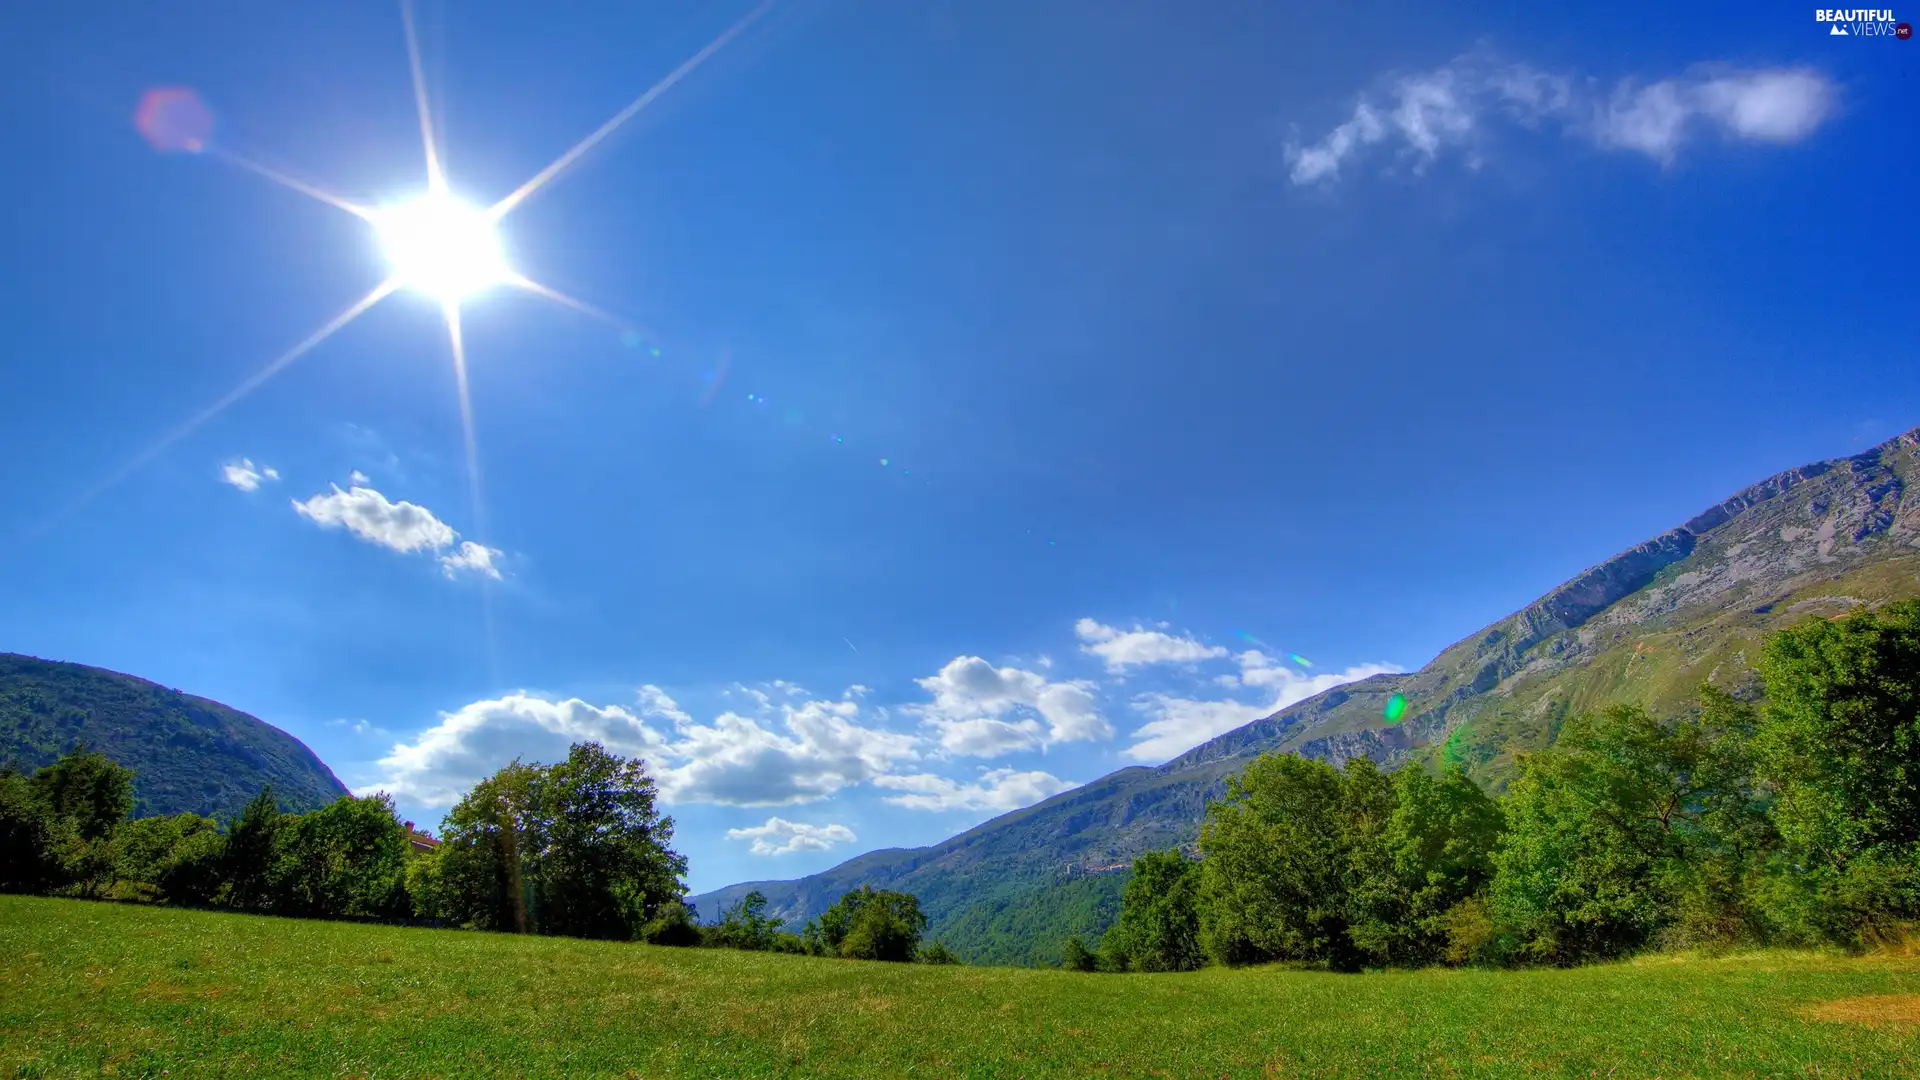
<point>451,309</point>
<point>524,282</point>
<point>505,206</point>
<point>476,504</point>
<point>293,183</point>
<point>253,382</point>
<point>436,179</point>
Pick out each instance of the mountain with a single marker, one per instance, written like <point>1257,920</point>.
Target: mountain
<point>187,753</point>
<point>1650,624</point>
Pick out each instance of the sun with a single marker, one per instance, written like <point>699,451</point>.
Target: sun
<point>442,246</point>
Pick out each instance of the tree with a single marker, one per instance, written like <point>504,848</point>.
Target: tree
<point>1613,832</point>
<point>1839,741</point>
<point>28,861</point>
<point>746,925</point>
<point>869,924</point>
<point>249,855</point>
<point>1435,854</point>
<point>1159,924</point>
<point>605,869</point>
<point>576,848</point>
<point>487,843</point>
<point>347,858</point>
<point>1278,854</point>
<point>85,797</point>
<point>148,849</point>
<point>87,790</point>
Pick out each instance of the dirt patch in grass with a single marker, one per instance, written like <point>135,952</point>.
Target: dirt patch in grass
<point>1873,1010</point>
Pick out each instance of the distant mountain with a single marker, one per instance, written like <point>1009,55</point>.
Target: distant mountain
<point>187,753</point>
<point>1650,624</point>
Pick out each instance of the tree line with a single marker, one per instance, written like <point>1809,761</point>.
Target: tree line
<point>575,848</point>
<point>1792,822</point>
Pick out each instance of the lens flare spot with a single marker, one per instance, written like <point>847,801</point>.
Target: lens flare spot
<point>174,119</point>
<point>1396,708</point>
<point>883,462</point>
<point>1298,659</point>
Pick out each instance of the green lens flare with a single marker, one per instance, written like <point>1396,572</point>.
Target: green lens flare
<point>1396,708</point>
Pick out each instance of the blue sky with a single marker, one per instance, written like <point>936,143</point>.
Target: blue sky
<point>1031,379</point>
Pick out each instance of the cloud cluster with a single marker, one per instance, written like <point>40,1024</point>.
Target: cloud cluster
<point>996,789</point>
<point>244,475</point>
<point>1123,649</point>
<point>778,836</point>
<point>397,526</point>
<point>1425,114</point>
<point>817,748</point>
<point>1178,724</point>
<point>979,710</point>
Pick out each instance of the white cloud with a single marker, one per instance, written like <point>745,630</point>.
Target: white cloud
<point>473,742</point>
<point>471,557</point>
<point>1122,649</point>
<point>820,748</point>
<point>356,478</point>
<point>1428,113</point>
<point>398,526</point>
<point>244,475</point>
<point>1178,724</point>
<point>1777,106</point>
<point>969,690</point>
<point>988,738</point>
<point>782,837</point>
<point>367,514</point>
<point>997,789</point>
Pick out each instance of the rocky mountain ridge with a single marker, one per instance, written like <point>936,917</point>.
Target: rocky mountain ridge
<point>1650,624</point>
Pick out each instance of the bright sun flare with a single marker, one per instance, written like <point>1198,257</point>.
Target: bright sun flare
<point>442,247</point>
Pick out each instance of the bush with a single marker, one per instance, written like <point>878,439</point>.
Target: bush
<point>869,924</point>
<point>1159,924</point>
<point>1075,956</point>
<point>674,925</point>
<point>935,952</point>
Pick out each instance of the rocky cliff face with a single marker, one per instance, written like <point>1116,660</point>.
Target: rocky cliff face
<point>1650,624</point>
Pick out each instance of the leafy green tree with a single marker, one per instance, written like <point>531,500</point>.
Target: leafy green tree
<point>87,790</point>
<point>1839,741</point>
<point>347,858</point>
<point>1075,956</point>
<point>576,848</point>
<point>1611,832</point>
<point>935,952</point>
<point>1159,924</point>
<point>605,869</point>
<point>745,925</point>
<point>1279,850</point>
<point>147,848</point>
<point>249,855</point>
<point>488,843</point>
<point>28,859</point>
<point>869,924</point>
<point>1434,854</point>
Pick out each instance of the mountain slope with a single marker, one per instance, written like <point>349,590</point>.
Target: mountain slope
<point>1650,624</point>
<point>187,753</point>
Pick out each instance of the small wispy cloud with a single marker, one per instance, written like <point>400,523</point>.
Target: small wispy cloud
<point>397,526</point>
<point>778,836</point>
<point>247,476</point>
<point>1424,115</point>
<point>1123,649</point>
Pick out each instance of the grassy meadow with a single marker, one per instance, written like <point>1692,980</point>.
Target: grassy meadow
<point>121,990</point>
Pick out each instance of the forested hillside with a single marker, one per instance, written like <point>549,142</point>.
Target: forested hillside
<point>188,754</point>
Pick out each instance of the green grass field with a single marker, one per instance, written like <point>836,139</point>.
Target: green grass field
<point>107,989</point>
